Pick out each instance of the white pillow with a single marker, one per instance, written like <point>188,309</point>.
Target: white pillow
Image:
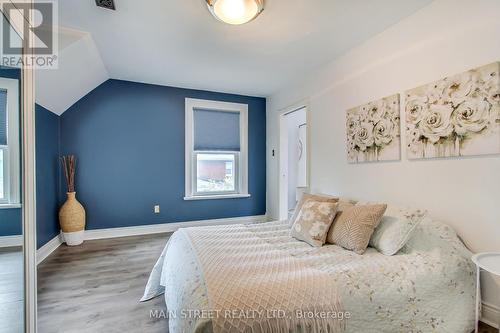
<point>395,228</point>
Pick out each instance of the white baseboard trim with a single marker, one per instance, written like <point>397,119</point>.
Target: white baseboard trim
<point>11,241</point>
<point>490,314</point>
<point>48,248</point>
<point>166,227</point>
<point>53,244</point>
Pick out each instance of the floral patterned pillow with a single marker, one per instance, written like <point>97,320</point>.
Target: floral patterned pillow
<point>308,196</point>
<point>395,229</point>
<point>313,221</point>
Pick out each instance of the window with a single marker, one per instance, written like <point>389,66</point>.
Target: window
<point>9,143</point>
<point>216,150</point>
<point>215,173</point>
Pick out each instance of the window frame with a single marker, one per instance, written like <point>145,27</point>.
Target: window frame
<point>241,162</point>
<point>11,157</point>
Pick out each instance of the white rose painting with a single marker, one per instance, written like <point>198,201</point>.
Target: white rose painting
<point>457,116</point>
<point>373,132</point>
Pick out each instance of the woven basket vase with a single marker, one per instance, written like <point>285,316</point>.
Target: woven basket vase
<point>72,220</point>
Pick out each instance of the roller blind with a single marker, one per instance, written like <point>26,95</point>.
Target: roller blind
<point>3,117</point>
<point>216,130</point>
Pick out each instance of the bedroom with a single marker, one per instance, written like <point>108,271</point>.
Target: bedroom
<point>206,135</point>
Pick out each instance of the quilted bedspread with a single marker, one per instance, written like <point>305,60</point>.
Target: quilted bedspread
<point>429,286</point>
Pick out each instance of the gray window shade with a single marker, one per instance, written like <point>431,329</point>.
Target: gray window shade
<point>3,117</point>
<point>216,130</point>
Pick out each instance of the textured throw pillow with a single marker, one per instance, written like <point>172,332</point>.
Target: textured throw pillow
<point>354,227</point>
<point>313,221</point>
<point>395,228</point>
<point>342,205</point>
<point>307,196</point>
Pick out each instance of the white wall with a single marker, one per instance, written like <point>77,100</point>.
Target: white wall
<point>444,38</point>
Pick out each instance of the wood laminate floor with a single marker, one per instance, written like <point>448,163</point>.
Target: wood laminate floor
<point>11,290</point>
<point>96,287</point>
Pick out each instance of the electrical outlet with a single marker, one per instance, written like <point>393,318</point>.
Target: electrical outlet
<point>157,209</point>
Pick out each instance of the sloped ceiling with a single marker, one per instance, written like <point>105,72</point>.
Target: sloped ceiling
<point>80,70</point>
<point>178,43</point>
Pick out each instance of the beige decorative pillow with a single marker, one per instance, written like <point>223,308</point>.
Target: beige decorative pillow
<point>313,221</point>
<point>342,205</point>
<point>354,227</point>
<point>307,196</point>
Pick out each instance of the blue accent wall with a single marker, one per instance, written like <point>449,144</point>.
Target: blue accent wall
<point>47,175</point>
<point>47,178</point>
<point>10,222</point>
<point>129,141</point>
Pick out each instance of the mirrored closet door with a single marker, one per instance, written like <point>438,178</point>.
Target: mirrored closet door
<point>11,224</point>
<point>17,169</point>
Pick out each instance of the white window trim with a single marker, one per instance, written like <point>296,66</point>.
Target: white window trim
<point>12,181</point>
<point>242,172</point>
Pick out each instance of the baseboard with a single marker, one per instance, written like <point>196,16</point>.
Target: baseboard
<point>490,314</point>
<point>53,244</point>
<point>166,227</point>
<point>11,241</point>
<point>48,248</point>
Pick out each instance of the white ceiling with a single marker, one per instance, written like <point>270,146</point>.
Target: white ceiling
<point>178,43</point>
<point>80,70</point>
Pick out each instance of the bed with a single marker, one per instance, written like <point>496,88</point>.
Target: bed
<point>428,286</point>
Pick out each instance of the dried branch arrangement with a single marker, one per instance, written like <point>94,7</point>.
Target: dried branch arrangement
<point>68,163</point>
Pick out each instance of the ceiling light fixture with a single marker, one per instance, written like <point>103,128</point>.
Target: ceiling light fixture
<point>235,11</point>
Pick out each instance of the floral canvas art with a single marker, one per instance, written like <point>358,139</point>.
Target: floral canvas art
<point>373,132</point>
<point>456,116</point>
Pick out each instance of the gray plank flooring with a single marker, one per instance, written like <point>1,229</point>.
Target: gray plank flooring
<point>96,287</point>
<point>11,290</point>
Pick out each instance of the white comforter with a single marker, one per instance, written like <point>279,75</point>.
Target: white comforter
<point>429,286</point>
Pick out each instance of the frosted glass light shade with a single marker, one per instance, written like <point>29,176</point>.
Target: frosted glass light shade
<point>235,11</point>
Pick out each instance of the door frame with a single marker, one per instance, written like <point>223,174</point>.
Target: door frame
<point>283,158</point>
<point>29,198</point>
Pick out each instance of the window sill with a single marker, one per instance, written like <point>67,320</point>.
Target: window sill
<point>218,196</point>
<point>10,206</point>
